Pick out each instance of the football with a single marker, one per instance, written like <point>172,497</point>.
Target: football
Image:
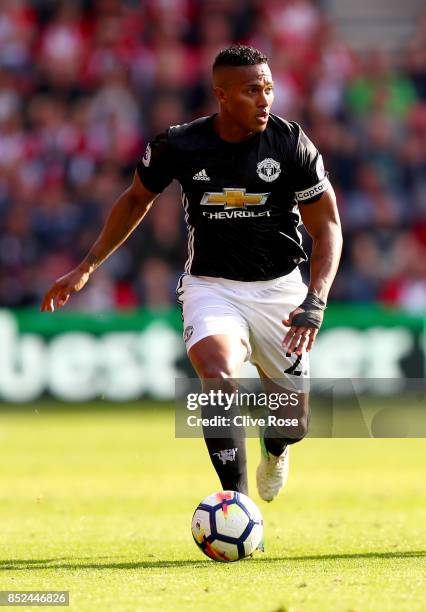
<point>227,526</point>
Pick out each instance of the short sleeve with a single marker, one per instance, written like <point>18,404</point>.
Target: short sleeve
<point>155,169</point>
<point>310,178</point>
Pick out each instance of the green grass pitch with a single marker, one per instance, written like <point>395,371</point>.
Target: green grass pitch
<point>99,503</point>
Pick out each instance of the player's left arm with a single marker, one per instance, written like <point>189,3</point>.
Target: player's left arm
<point>321,220</point>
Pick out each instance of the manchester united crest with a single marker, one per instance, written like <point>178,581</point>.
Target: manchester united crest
<point>146,159</point>
<point>189,330</point>
<point>268,169</point>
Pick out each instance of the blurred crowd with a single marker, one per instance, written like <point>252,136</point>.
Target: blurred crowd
<point>84,84</point>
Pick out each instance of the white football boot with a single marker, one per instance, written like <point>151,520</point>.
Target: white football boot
<point>272,472</point>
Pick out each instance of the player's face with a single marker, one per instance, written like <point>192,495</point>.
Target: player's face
<point>247,96</point>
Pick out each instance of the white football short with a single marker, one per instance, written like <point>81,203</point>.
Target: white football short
<point>254,311</point>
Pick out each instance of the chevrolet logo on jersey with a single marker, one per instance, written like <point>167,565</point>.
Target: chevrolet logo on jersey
<point>233,198</point>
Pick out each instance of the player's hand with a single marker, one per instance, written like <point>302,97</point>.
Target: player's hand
<point>298,338</point>
<point>304,323</point>
<point>59,294</point>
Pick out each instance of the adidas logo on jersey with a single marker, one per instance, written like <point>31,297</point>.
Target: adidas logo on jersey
<point>201,176</point>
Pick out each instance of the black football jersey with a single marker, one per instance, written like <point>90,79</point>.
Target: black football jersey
<point>240,199</point>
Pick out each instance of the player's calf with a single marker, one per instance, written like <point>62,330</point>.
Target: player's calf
<point>217,361</point>
<point>224,440</point>
<point>285,427</point>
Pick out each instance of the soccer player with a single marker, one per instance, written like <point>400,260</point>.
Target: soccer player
<point>249,178</point>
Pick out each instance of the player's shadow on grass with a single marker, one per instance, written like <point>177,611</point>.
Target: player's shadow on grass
<point>64,562</point>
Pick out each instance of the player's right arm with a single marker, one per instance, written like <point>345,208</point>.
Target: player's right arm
<point>126,214</point>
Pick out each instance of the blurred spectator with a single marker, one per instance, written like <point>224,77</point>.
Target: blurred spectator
<point>360,280</point>
<point>156,283</point>
<point>379,87</point>
<point>17,31</point>
<point>84,84</point>
<point>406,286</point>
<point>371,203</point>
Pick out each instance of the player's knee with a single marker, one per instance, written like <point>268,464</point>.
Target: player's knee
<point>219,377</point>
<point>219,371</point>
<point>217,358</point>
<point>218,374</point>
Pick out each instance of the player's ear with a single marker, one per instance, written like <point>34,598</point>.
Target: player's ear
<point>220,94</point>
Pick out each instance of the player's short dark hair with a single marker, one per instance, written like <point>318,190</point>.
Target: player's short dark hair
<point>239,55</point>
